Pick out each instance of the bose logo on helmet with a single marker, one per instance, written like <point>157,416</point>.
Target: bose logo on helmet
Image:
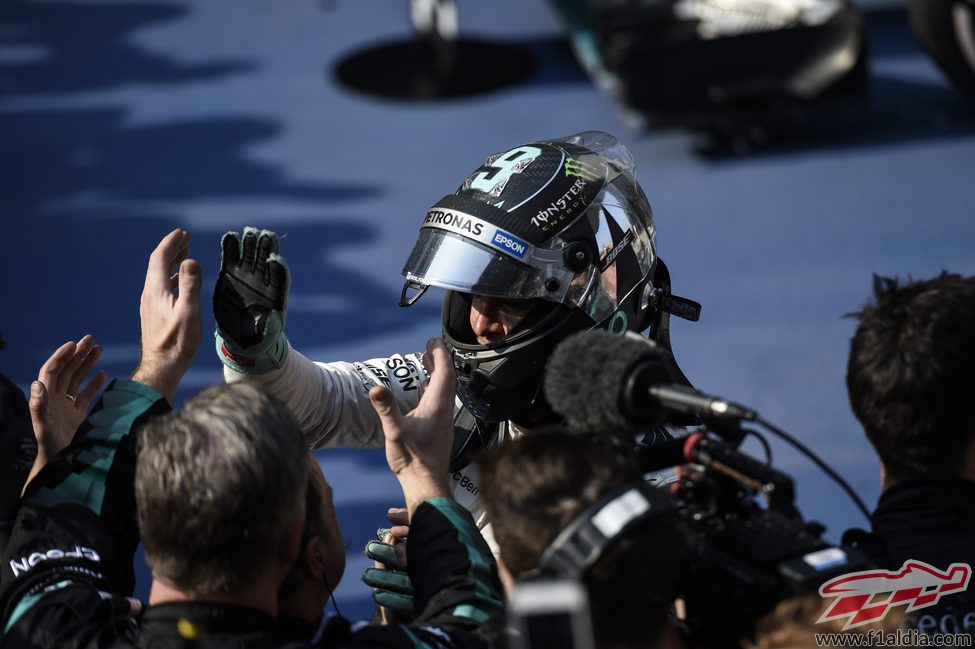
<point>510,242</point>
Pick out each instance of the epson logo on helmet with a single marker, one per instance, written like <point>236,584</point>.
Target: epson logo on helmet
<point>510,242</point>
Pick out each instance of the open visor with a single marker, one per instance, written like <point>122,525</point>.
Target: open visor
<point>458,263</point>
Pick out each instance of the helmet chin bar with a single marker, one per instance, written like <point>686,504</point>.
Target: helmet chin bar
<point>502,381</point>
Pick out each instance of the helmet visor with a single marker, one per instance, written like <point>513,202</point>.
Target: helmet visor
<point>448,260</point>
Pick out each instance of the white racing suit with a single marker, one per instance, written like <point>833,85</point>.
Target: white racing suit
<point>331,403</point>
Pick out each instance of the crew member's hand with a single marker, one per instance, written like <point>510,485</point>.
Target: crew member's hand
<point>170,313</point>
<point>250,302</point>
<point>392,588</point>
<point>418,443</point>
<point>57,407</point>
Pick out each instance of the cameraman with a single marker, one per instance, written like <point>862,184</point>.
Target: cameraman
<point>559,475</point>
<point>911,380</point>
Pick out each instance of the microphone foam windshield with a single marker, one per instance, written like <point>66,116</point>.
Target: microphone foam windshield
<point>586,375</point>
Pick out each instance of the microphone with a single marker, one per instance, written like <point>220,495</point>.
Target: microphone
<point>603,381</point>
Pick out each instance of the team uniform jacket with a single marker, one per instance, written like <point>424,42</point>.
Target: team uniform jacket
<point>68,567</point>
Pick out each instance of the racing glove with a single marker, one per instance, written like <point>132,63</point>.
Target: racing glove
<point>249,302</point>
<point>392,587</point>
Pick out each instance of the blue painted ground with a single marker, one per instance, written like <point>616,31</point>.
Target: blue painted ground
<point>122,120</point>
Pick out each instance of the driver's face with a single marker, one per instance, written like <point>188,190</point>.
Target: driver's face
<point>493,318</point>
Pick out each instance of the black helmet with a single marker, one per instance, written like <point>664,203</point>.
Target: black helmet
<point>562,221</point>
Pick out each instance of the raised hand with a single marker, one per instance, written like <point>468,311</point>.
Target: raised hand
<point>170,314</point>
<point>250,302</point>
<point>418,443</point>
<point>57,407</point>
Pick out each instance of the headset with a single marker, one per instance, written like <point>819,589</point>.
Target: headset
<point>597,528</point>
<point>549,608</point>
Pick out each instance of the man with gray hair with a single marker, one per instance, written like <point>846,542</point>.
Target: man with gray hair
<point>220,499</point>
<point>220,486</point>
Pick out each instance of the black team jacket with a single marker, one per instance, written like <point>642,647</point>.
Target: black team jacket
<point>67,572</point>
<point>931,521</point>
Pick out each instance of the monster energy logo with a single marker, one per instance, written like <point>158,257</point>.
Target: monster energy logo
<point>581,169</point>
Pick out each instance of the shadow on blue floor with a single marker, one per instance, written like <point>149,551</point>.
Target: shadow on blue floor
<point>332,303</point>
<point>56,155</point>
<point>90,47</point>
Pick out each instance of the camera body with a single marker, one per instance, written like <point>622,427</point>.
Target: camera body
<point>550,614</point>
<point>742,557</point>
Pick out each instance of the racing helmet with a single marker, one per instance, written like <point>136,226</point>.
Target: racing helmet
<point>562,222</point>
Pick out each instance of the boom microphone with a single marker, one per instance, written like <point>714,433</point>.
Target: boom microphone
<point>603,381</point>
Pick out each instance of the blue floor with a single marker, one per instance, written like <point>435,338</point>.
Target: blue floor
<point>122,120</point>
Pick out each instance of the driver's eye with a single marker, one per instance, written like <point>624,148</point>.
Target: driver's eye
<point>516,307</point>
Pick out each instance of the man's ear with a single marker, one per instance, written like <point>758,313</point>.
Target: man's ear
<point>314,557</point>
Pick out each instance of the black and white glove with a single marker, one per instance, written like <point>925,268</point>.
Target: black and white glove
<point>250,301</point>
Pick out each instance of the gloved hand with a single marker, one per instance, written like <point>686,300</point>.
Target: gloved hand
<point>392,588</point>
<point>249,302</point>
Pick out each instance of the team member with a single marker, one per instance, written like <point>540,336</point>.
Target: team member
<point>18,450</point>
<point>910,378</point>
<point>311,580</point>
<point>31,434</point>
